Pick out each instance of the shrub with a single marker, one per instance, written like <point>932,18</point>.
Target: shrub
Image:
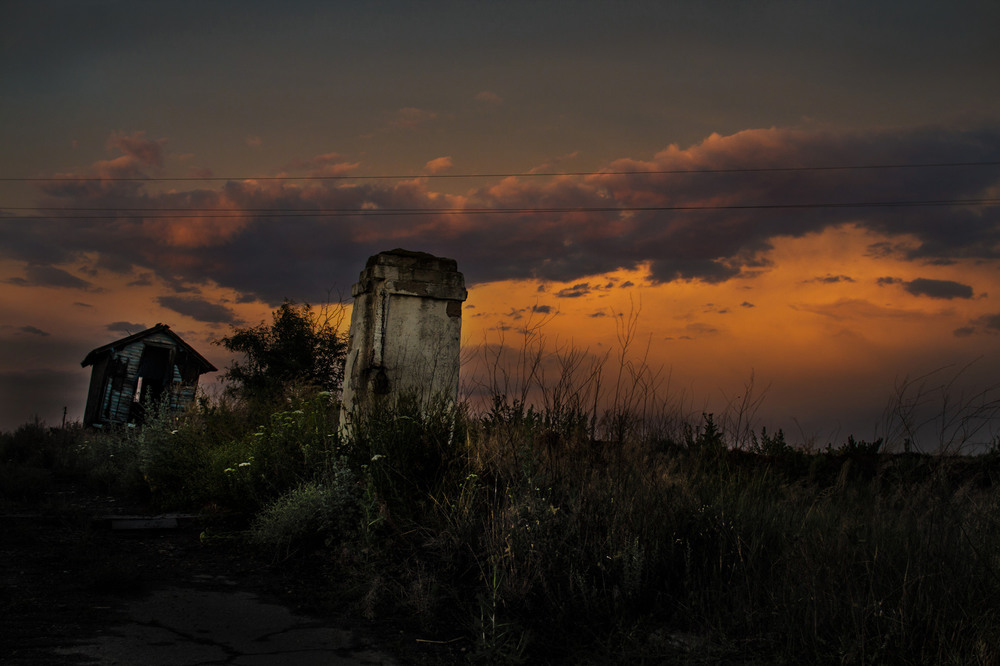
<point>293,446</point>
<point>172,459</point>
<point>770,445</point>
<point>37,445</point>
<point>110,460</point>
<point>313,513</point>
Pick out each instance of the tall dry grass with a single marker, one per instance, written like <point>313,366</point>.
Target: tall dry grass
<point>574,511</point>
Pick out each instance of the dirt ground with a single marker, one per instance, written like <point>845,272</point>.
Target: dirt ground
<point>65,575</point>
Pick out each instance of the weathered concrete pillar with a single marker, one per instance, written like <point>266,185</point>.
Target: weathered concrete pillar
<point>406,330</point>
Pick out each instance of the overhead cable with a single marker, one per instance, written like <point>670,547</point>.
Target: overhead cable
<point>527,174</point>
<point>203,213</point>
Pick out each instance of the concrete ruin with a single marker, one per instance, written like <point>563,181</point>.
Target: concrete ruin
<point>406,330</point>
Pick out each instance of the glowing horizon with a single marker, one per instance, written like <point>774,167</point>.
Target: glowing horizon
<point>734,246</point>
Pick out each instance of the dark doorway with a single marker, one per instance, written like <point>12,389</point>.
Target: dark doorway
<point>155,372</point>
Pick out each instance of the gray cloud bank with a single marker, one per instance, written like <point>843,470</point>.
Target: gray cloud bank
<point>260,238</point>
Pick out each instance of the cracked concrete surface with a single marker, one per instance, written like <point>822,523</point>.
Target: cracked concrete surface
<point>184,627</point>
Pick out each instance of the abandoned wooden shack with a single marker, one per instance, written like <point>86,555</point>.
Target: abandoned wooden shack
<point>139,370</point>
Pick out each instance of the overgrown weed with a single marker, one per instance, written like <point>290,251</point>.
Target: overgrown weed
<point>586,512</point>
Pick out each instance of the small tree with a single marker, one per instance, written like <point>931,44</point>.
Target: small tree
<point>300,347</point>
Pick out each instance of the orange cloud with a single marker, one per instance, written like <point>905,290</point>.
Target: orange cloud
<point>202,231</point>
<point>108,179</point>
<point>438,165</point>
<point>699,227</point>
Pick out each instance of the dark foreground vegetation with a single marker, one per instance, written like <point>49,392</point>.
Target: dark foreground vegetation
<point>515,534</point>
<point>527,541</point>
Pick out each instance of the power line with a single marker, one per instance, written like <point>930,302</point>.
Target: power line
<point>530,174</point>
<point>69,213</point>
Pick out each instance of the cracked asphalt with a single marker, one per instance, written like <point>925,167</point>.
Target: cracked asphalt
<point>185,626</point>
<point>74,591</point>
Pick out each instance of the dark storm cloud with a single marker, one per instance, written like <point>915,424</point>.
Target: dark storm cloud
<point>694,331</point>
<point>144,280</point>
<point>520,313</point>
<point>199,309</point>
<point>991,322</point>
<point>126,327</point>
<point>945,289</point>
<point>714,244</point>
<point>886,281</point>
<point>576,291</point>
<point>984,324</point>
<point>831,279</point>
<point>48,276</point>
<point>262,238</point>
<point>700,328</point>
<point>33,330</point>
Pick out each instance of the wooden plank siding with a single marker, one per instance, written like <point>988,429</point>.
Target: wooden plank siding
<point>170,368</point>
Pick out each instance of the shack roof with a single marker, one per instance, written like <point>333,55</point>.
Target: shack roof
<point>206,366</point>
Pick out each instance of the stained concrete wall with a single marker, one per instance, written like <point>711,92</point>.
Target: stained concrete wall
<point>406,330</point>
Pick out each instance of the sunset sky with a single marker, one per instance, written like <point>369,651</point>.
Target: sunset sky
<point>817,203</point>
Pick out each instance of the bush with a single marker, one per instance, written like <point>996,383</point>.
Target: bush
<point>770,445</point>
<point>110,460</point>
<point>314,513</point>
<point>37,445</point>
<point>172,459</point>
<point>294,446</point>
